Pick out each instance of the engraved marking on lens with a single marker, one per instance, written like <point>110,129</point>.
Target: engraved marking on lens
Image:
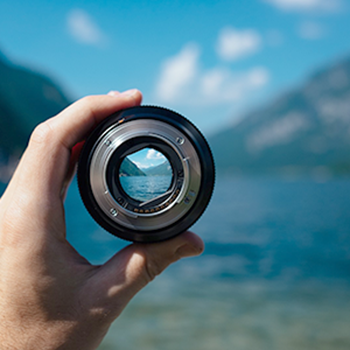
<point>180,140</point>
<point>113,212</point>
<point>108,143</point>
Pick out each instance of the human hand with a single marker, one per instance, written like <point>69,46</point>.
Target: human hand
<point>50,296</point>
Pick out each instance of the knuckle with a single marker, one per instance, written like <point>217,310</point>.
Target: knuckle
<point>153,267</point>
<point>88,104</point>
<point>101,314</point>
<point>41,134</point>
<point>87,101</point>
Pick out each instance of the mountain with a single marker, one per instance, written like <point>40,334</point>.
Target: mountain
<point>128,168</point>
<point>163,169</point>
<point>26,99</point>
<point>303,130</point>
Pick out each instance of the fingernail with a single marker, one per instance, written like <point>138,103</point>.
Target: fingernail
<point>129,93</point>
<point>189,250</point>
<point>113,93</point>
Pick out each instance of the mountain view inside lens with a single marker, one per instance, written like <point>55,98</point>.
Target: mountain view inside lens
<point>145,174</point>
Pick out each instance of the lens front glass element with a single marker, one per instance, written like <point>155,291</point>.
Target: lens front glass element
<point>145,175</point>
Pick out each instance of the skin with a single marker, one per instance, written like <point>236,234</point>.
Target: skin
<point>50,296</point>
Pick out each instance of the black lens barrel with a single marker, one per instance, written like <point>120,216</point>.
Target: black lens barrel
<point>186,214</point>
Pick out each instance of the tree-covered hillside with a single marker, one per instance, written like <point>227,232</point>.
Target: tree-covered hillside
<point>128,168</point>
<point>26,99</point>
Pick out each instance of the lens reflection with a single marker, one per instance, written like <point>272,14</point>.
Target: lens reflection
<point>145,175</point>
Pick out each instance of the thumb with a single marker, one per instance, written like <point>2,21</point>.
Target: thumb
<point>135,266</point>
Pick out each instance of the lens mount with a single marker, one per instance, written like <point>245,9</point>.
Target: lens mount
<point>174,209</point>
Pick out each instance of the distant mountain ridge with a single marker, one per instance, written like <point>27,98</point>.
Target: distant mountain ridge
<point>26,99</point>
<point>305,129</point>
<point>129,168</point>
<point>163,169</point>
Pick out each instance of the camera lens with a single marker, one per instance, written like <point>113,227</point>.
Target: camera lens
<point>146,174</point>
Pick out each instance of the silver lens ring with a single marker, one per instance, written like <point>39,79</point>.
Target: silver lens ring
<point>165,215</point>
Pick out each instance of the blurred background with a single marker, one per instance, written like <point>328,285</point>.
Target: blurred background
<point>268,83</point>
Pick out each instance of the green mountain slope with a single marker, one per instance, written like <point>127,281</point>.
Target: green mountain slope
<point>163,169</point>
<point>26,99</point>
<point>307,128</point>
<point>128,168</point>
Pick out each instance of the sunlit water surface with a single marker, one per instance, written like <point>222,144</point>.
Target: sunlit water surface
<point>275,273</point>
<point>144,188</point>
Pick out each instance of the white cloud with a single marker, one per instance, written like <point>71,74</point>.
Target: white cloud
<point>220,85</point>
<point>311,30</point>
<point>194,86</point>
<point>178,71</point>
<point>235,44</point>
<point>153,154</point>
<point>306,5</point>
<point>83,28</point>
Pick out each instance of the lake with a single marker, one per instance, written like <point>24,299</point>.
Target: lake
<point>144,188</point>
<point>275,273</point>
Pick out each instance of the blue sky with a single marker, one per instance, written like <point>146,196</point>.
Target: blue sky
<point>209,60</point>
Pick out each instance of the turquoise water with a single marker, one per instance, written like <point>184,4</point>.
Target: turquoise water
<point>275,273</point>
<point>144,188</point>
